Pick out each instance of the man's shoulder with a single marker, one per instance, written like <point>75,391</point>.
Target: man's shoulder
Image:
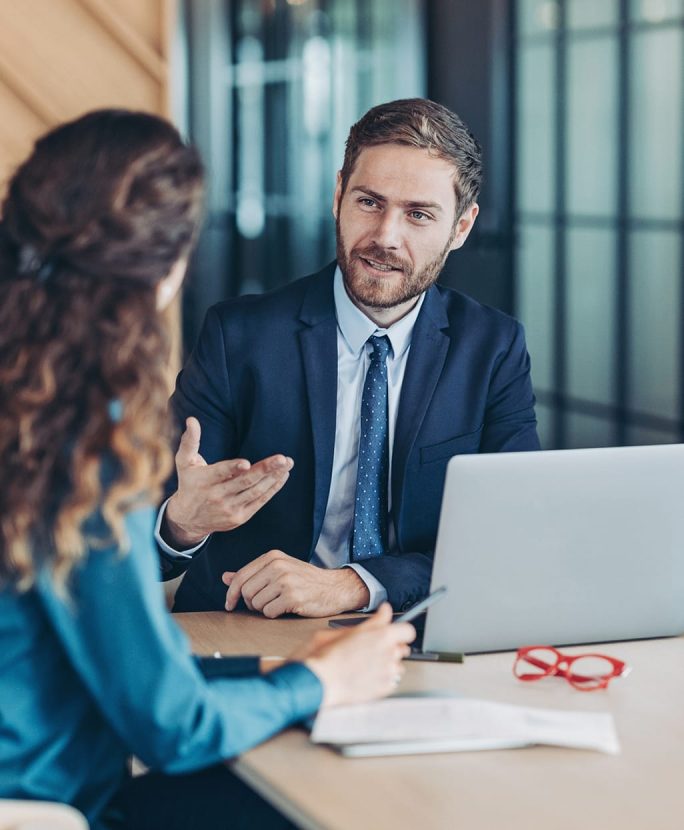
<point>285,301</point>
<point>462,310</point>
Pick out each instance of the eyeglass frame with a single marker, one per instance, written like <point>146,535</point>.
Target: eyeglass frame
<point>620,668</point>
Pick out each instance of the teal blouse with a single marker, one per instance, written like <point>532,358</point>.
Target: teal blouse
<point>90,678</point>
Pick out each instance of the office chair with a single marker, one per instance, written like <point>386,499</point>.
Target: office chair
<point>39,815</point>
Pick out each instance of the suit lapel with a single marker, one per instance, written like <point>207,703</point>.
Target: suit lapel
<point>429,346</point>
<point>318,342</point>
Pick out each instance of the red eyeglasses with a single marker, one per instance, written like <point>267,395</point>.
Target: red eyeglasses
<point>586,672</point>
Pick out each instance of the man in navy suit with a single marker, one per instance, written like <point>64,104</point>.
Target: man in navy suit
<point>271,504</point>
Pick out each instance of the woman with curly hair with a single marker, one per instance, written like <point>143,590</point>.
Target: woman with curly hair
<point>95,232</point>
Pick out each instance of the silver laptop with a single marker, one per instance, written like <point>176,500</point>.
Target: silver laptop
<point>560,547</point>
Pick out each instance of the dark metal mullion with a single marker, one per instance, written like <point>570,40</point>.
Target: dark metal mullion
<point>601,31</point>
<point>622,282</point>
<point>325,241</point>
<point>509,225</point>
<point>560,310</point>
<point>680,367</point>
<point>586,220</point>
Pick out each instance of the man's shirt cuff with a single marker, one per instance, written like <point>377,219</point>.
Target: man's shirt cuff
<point>377,591</point>
<point>188,553</point>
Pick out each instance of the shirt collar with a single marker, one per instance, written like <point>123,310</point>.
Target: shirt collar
<point>356,328</point>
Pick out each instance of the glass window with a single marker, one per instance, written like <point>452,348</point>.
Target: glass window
<point>638,436</point>
<point>656,124</point>
<point>302,74</point>
<point>536,156</point>
<point>536,299</point>
<point>588,431</point>
<point>538,16</point>
<point>250,210</point>
<point>589,14</point>
<point>656,11</point>
<point>655,322</point>
<point>598,215</point>
<point>592,126</point>
<point>591,314</point>
<point>544,425</point>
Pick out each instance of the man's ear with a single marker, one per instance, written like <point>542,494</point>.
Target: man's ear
<point>464,225</point>
<point>338,195</point>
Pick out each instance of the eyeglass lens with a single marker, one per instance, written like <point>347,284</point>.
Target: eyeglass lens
<point>590,670</point>
<point>538,661</point>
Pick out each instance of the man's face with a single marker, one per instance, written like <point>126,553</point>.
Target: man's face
<point>396,223</point>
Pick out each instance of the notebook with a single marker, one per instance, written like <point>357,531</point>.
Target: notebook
<point>418,725</point>
<point>559,547</point>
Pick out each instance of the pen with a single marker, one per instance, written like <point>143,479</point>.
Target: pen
<point>436,656</point>
<point>417,609</point>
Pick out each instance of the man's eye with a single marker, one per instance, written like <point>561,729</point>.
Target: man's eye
<point>367,202</point>
<point>419,216</point>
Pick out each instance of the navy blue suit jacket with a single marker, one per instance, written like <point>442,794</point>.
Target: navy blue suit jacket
<point>263,379</point>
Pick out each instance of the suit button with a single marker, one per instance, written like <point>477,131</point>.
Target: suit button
<point>406,605</point>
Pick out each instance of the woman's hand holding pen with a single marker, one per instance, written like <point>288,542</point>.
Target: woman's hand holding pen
<point>360,664</point>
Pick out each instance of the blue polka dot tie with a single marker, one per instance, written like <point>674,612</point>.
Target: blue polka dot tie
<point>369,536</point>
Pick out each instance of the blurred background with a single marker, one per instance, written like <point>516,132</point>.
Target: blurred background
<point>578,105</point>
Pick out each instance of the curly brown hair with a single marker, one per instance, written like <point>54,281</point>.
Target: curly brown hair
<point>94,219</point>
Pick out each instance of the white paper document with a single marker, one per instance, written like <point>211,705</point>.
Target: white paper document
<point>405,725</point>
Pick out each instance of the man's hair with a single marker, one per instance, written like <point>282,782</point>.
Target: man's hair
<point>418,122</point>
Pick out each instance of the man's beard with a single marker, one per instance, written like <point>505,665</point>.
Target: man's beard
<point>374,292</point>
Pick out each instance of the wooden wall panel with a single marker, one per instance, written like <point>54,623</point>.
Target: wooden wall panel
<point>61,58</point>
<point>148,19</point>
<point>19,126</point>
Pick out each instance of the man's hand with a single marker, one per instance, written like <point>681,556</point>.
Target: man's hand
<point>221,496</point>
<point>276,584</point>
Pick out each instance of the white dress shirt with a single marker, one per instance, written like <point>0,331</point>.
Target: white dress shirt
<point>353,358</point>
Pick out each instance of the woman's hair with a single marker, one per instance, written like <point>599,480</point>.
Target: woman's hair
<point>94,219</point>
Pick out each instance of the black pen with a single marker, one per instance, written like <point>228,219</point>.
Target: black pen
<point>436,656</point>
<point>419,607</point>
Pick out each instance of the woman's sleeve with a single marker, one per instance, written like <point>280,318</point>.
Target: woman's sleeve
<point>136,665</point>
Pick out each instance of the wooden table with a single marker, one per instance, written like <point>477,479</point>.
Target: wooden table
<point>525,789</point>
